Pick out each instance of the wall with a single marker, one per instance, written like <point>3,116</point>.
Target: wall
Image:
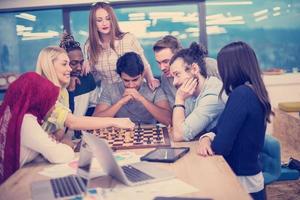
<point>282,88</point>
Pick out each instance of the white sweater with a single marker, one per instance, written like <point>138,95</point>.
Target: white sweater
<point>35,141</point>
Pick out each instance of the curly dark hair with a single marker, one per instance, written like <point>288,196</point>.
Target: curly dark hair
<point>68,43</point>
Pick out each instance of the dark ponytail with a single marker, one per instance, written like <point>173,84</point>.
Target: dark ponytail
<point>194,54</point>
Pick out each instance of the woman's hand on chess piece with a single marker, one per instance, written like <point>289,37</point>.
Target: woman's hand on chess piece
<point>124,123</point>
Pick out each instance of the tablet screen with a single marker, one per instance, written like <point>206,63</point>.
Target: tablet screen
<point>165,153</point>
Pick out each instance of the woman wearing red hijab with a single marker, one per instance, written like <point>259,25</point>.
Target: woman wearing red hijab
<point>27,102</point>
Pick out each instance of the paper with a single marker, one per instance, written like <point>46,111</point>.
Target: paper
<point>172,187</point>
<point>126,158</point>
<point>57,171</point>
<point>60,170</point>
<point>92,194</point>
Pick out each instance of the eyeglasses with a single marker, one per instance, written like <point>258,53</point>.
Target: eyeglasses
<point>76,62</point>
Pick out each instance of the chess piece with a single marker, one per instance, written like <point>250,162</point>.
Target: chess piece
<point>132,133</point>
<point>127,138</point>
<point>113,130</point>
<point>120,134</point>
<point>148,140</point>
<point>109,135</point>
<point>139,128</point>
<point>157,130</point>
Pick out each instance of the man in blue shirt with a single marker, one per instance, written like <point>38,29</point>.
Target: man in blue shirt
<point>132,97</point>
<point>191,79</point>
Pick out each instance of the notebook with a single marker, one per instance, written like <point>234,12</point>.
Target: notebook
<point>133,174</point>
<point>68,186</point>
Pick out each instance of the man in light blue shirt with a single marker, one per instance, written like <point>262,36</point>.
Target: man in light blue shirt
<point>132,97</point>
<point>191,79</point>
<point>164,49</point>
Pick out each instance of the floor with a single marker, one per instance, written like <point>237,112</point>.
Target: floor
<point>285,190</point>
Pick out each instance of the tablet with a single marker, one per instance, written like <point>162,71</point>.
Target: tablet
<point>165,154</point>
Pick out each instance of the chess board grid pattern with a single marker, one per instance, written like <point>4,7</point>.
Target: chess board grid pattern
<point>146,138</point>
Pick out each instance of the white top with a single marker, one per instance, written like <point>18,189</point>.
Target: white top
<point>253,183</point>
<point>35,141</point>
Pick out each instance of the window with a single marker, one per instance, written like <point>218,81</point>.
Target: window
<point>24,34</point>
<point>268,26</point>
<point>148,24</point>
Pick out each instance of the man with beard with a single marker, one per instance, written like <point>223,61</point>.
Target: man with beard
<point>164,49</point>
<point>187,67</point>
<point>82,87</point>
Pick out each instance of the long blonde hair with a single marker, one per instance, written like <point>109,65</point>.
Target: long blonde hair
<point>94,43</point>
<point>45,64</point>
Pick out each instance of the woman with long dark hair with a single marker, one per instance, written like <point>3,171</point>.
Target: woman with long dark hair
<point>240,132</point>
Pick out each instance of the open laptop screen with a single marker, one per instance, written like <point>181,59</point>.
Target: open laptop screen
<point>84,163</point>
<point>68,186</point>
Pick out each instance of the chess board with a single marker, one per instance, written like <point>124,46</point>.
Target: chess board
<point>144,136</point>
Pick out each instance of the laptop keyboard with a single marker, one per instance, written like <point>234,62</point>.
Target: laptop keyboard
<point>135,175</point>
<point>67,186</point>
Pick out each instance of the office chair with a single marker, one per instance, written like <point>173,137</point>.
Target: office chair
<point>271,163</point>
<point>270,159</point>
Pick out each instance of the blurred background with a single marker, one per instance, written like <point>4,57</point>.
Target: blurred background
<point>269,26</point>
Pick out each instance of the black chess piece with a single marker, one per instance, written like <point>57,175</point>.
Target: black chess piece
<point>138,135</point>
<point>139,128</point>
<point>158,138</point>
<point>138,139</point>
<point>157,130</point>
<point>148,140</point>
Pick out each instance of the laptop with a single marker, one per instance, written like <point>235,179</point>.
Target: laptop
<point>68,186</point>
<point>133,174</point>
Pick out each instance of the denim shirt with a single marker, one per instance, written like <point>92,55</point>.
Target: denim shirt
<point>207,109</point>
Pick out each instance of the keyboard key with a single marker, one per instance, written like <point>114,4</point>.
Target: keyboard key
<point>135,175</point>
<point>67,186</point>
<point>64,182</point>
<point>61,187</point>
<point>55,189</point>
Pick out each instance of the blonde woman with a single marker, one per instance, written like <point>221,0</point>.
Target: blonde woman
<point>53,63</point>
<point>106,43</point>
